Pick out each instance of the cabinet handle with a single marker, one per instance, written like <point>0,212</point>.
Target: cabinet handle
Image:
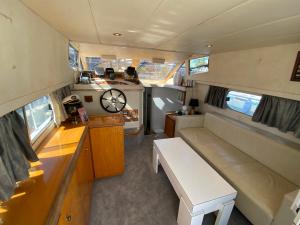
<point>68,218</point>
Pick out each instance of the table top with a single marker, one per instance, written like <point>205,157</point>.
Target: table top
<point>106,120</point>
<point>172,116</point>
<point>200,182</point>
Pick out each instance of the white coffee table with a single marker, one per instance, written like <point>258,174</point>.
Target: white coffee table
<point>200,188</point>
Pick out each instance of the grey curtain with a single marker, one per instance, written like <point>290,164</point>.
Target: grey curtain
<point>58,108</point>
<point>15,151</point>
<point>216,96</point>
<point>279,112</point>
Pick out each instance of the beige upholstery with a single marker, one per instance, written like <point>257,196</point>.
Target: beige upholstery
<point>260,188</point>
<point>188,121</point>
<point>277,156</point>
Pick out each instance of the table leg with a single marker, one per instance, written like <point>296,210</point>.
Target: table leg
<point>224,213</point>
<point>186,218</point>
<point>155,161</point>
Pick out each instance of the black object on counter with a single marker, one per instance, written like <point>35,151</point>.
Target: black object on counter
<point>109,72</point>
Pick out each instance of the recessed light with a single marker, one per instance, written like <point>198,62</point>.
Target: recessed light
<point>209,45</point>
<point>117,34</point>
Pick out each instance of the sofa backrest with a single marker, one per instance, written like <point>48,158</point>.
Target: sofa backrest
<point>281,158</point>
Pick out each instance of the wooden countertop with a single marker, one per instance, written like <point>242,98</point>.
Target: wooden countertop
<point>106,120</point>
<point>36,199</point>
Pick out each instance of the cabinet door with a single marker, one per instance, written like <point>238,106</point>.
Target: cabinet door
<point>85,175</point>
<point>169,126</point>
<point>76,206</point>
<point>72,209</point>
<point>108,150</point>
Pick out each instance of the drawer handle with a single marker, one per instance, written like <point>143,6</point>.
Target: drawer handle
<point>68,218</point>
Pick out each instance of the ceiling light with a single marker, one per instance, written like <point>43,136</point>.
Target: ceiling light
<point>132,31</point>
<point>209,45</point>
<point>117,34</point>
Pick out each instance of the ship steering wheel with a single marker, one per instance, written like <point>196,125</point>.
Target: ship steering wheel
<point>113,100</point>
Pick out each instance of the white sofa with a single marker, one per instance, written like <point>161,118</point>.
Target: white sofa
<point>261,169</point>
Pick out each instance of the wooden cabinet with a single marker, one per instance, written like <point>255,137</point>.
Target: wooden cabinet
<point>108,150</point>
<point>107,140</point>
<point>85,176</point>
<point>170,123</point>
<point>103,157</point>
<point>72,210</point>
<point>59,187</point>
<point>76,205</point>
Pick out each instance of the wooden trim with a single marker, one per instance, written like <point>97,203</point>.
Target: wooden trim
<point>54,212</point>
<point>296,74</point>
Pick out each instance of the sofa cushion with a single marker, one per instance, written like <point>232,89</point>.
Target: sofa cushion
<point>283,158</point>
<point>260,190</point>
<point>213,147</point>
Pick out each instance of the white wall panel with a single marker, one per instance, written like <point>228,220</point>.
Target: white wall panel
<point>262,70</point>
<point>33,57</point>
<point>71,18</point>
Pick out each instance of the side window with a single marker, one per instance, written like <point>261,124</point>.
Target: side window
<point>73,57</point>
<point>243,102</point>
<point>38,115</point>
<point>199,65</point>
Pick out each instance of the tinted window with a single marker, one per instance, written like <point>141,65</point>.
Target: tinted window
<point>92,62</point>
<point>147,70</point>
<point>199,65</point>
<point>119,65</point>
<point>38,114</point>
<point>73,57</point>
<point>243,102</point>
<point>181,71</point>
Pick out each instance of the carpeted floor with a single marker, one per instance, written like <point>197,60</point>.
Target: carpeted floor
<point>139,196</point>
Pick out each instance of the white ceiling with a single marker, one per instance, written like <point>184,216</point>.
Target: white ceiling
<point>175,25</point>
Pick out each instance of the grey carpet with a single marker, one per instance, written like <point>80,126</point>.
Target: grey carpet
<point>139,196</point>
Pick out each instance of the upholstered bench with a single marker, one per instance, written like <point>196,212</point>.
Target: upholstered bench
<point>261,169</point>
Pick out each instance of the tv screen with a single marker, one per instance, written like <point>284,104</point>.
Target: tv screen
<point>199,65</point>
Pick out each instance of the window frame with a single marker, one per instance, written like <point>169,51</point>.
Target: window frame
<point>149,62</point>
<point>76,65</point>
<point>43,132</point>
<point>113,63</point>
<point>175,74</point>
<point>189,65</point>
<point>250,93</point>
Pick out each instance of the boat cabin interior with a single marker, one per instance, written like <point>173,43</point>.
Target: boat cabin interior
<point>161,112</point>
